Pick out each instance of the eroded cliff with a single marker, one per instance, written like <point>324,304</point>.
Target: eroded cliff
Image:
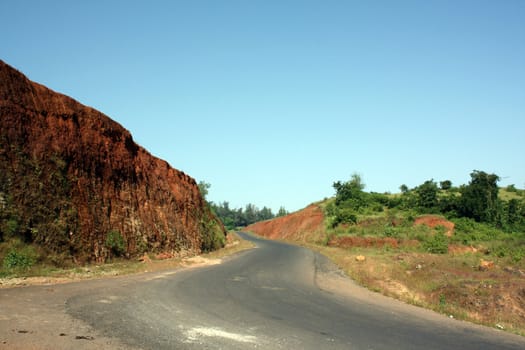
<point>72,180</point>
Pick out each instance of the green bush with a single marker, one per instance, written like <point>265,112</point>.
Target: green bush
<point>391,232</point>
<point>436,244</point>
<point>509,249</point>
<point>343,216</point>
<point>20,258</point>
<point>212,235</point>
<point>115,243</point>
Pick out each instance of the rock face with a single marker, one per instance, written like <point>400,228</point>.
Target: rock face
<point>74,182</point>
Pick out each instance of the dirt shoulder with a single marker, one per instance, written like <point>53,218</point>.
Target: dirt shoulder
<point>147,263</point>
<point>33,309</point>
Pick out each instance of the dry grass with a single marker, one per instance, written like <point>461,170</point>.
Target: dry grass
<point>451,284</point>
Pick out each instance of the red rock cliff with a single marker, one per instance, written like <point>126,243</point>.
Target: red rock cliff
<point>69,175</point>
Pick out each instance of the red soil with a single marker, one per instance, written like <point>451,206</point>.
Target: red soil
<point>293,226</point>
<point>434,221</point>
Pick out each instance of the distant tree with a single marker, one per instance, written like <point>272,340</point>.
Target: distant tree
<point>240,218</point>
<point>204,188</point>
<point>445,185</point>
<point>250,213</point>
<point>282,211</point>
<point>479,199</point>
<point>233,218</point>
<point>403,188</point>
<point>515,213</point>
<point>427,195</point>
<point>350,193</point>
<point>265,214</point>
<point>511,188</point>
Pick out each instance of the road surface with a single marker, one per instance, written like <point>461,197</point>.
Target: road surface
<point>276,296</point>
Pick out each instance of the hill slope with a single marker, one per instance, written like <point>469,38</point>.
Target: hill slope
<point>301,225</point>
<point>467,270</point>
<point>74,182</point>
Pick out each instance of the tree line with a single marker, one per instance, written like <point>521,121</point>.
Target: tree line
<point>233,218</point>
<point>478,200</point>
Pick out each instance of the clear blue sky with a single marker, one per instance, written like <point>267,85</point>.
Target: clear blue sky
<point>273,101</point>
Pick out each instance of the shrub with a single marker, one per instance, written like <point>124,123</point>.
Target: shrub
<point>510,249</point>
<point>12,226</point>
<point>436,244</point>
<point>115,243</point>
<point>391,232</point>
<point>212,235</point>
<point>20,258</point>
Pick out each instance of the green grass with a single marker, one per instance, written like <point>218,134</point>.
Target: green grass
<point>506,195</point>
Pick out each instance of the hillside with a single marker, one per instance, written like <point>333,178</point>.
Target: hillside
<point>304,225</point>
<point>74,183</point>
<point>465,269</point>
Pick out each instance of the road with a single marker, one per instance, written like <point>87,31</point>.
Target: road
<point>276,296</point>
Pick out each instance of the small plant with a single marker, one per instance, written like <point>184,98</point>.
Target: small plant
<point>442,300</point>
<point>115,243</point>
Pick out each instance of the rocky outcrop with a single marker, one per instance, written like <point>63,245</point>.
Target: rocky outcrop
<point>74,182</point>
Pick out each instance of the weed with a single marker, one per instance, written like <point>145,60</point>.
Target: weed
<point>442,300</point>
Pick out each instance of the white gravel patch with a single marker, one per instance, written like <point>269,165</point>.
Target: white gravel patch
<point>195,333</point>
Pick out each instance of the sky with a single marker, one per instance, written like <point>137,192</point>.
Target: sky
<point>270,102</point>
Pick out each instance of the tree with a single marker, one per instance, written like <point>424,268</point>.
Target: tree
<point>403,188</point>
<point>250,213</point>
<point>513,212</point>
<point>511,188</point>
<point>427,195</point>
<point>265,214</point>
<point>350,193</point>
<point>479,199</point>
<point>282,212</point>
<point>445,185</point>
<point>204,188</point>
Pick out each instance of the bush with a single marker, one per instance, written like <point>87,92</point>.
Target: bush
<point>436,244</point>
<point>343,216</point>
<point>115,243</point>
<point>212,235</point>
<point>20,258</point>
<point>391,232</point>
<point>512,249</point>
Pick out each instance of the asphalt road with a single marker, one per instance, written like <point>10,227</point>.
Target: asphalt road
<point>275,296</point>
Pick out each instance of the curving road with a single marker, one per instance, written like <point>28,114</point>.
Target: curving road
<point>276,296</point>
